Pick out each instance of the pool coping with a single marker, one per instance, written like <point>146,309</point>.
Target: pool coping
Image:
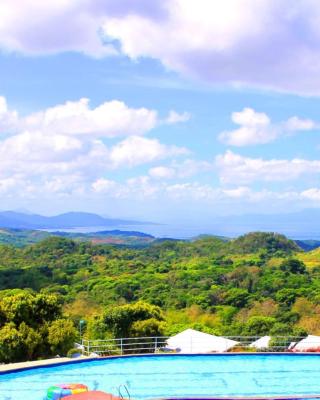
<point>7,369</point>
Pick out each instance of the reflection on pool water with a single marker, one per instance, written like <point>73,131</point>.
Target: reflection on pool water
<point>176,376</point>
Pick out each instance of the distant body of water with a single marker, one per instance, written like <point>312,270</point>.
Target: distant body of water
<point>179,231</point>
<point>159,231</point>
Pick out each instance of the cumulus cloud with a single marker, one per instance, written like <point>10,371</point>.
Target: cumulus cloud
<point>103,185</point>
<point>109,119</point>
<point>137,150</point>
<point>311,194</point>
<point>297,124</point>
<point>36,27</point>
<point>180,170</point>
<point>257,128</point>
<point>234,168</point>
<point>145,187</point>
<point>175,117</point>
<point>162,172</point>
<point>66,25</point>
<point>64,149</point>
<point>8,118</point>
<point>268,43</point>
<point>52,158</point>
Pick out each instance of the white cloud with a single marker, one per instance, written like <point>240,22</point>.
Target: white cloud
<point>234,168</point>
<point>50,160</point>
<point>181,170</point>
<point>8,118</point>
<point>162,172</point>
<point>175,117</point>
<point>103,185</point>
<point>137,150</point>
<point>257,128</point>
<point>267,43</point>
<point>245,42</point>
<point>43,27</point>
<point>63,150</point>
<point>311,194</point>
<point>109,119</point>
<point>7,184</point>
<point>298,124</point>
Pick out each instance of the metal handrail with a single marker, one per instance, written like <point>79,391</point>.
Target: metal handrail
<point>153,344</point>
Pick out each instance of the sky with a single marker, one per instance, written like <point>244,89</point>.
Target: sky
<point>162,110</point>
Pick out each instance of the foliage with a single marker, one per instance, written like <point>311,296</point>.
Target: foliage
<point>24,237</point>
<point>270,242</point>
<point>259,326</point>
<point>260,283</point>
<point>29,326</point>
<point>61,336</point>
<point>294,266</point>
<point>11,343</point>
<point>133,319</point>
<point>148,327</point>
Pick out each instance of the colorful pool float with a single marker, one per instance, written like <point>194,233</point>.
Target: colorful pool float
<point>58,392</point>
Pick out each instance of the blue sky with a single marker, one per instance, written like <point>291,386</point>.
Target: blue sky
<point>171,110</point>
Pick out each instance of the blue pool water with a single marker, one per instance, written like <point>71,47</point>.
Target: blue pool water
<point>176,375</point>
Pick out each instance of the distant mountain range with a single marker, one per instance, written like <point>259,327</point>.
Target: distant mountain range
<point>300,225</point>
<point>69,220</point>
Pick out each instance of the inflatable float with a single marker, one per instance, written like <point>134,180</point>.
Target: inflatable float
<point>60,391</point>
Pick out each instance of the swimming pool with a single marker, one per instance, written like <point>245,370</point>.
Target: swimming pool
<point>176,376</point>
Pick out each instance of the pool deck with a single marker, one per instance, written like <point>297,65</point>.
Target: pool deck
<point>39,363</point>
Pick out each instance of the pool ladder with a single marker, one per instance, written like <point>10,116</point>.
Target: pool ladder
<point>123,386</point>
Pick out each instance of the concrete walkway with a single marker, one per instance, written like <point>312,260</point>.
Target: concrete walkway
<point>28,364</point>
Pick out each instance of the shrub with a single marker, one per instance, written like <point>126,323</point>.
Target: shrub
<point>61,336</point>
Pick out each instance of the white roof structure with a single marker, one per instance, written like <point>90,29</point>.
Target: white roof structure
<point>261,343</point>
<point>191,341</point>
<point>311,342</point>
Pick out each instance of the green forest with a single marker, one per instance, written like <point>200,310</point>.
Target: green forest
<point>257,284</point>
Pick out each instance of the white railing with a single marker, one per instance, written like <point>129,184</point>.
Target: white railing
<point>124,345</point>
<point>158,344</point>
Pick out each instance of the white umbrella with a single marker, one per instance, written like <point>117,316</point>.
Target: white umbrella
<point>191,341</point>
<point>311,342</point>
<point>261,343</point>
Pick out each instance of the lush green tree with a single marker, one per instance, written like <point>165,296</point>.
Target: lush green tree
<point>119,320</point>
<point>257,326</point>
<point>270,242</point>
<point>237,297</point>
<point>294,266</point>
<point>61,336</point>
<point>148,327</point>
<point>32,341</point>
<point>96,328</point>
<point>286,296</point>
<point>257,275</point>
<point>11,344</point>
<point>24,317</point>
